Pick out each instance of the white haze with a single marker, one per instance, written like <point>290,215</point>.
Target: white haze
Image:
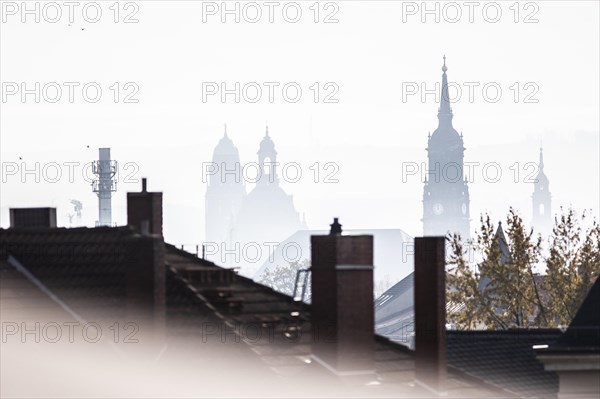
<point>369,133</point>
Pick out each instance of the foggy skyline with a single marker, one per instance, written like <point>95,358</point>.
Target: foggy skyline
<point>370,133</point>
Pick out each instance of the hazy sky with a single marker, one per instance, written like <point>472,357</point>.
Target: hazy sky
<point>373,56</point>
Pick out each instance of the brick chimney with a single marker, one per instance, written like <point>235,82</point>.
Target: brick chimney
<point>146,291</point>
<point>430,312</point>
<point>342,302</point>
<point>144,211</point>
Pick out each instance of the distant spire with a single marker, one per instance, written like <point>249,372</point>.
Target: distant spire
<point>267,129</point>
<point>502,245</point>
<point>541,159</point>
<point>225,135</point>
<point>445,112</point>
<point>500,233</point>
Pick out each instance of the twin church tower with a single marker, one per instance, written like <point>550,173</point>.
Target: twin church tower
<point>244,223</point>
<point>446,203</point>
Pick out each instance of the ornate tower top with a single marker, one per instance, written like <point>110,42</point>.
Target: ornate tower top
<point>267,159</point>
<point>445,111</point>
<point>445,136</point>
<point>541,181</point>
<point>267,146</point>
<point>226,148</point>
<point>225,153</point>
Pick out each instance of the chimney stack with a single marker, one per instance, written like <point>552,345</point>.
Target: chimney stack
<point>430,312</point>
<point>144,211</point>
<point>342,302</point>
<point>146,281</point>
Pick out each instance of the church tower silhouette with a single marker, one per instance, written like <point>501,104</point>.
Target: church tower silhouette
<point>243,228</point>
<point>446,192</point>
<point>541,201</point>
<point>267,160</point>
<point>225,193</point>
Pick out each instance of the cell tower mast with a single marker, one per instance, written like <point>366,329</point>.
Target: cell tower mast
<point>104,186</point>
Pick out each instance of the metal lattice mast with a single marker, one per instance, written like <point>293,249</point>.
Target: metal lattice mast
<point>104,186</point>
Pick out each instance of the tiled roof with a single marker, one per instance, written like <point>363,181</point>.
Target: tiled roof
<point>86,268</point>
<point>505,358</point>
<point>278,330</point>
<point>20,299</point>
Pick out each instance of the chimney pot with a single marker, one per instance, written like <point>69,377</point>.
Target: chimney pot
<point>336,227</point>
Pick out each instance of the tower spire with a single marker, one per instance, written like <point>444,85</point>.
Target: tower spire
<point>542,200</point>
<point>446,201</point>
<point>225,125</point>
<point>445,112</point>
